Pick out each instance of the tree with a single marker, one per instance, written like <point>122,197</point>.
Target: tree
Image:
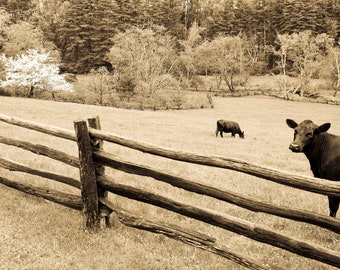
<point>306,53</point>
<point>202,60</point>
<point>187,56</point>
<point>284,45</point>
<point>34,70</point>
<point>132,13</point>
<point>4,23</point>
<point>335,54</point>
<point>85,34</point>
<point>224,22</point>
<point>18,37</point>
<point>227,60</point>
<point>331,68</point>
<point>290,16</point>
<point>48,17</point>
<point>142,60</point>
<point>20,9</point>
<point>262,30</point>
<point>21,37</point>
<point>169,14</point>
<point>191,10</point>
<point>332,18</point>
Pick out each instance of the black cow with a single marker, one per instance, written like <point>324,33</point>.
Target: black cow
<point>322,150</point>
<point>229,127</point>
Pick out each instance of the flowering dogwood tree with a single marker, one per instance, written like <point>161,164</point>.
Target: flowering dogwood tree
<point>36,70</point>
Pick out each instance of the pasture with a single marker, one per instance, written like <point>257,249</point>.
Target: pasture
<point>36,234</point>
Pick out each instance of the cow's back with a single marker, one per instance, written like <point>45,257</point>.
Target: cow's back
<point>221,123</point>
<point>329,165</point>
<point>226,124</point>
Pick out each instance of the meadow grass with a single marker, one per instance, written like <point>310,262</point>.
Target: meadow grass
<point>37,234</point>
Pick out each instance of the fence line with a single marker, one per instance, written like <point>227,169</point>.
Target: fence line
<point>315,185</point>
<point>42,150</point>
<point>51,130</point>
<point>191,237</point>
<point>15,166</point>
<point>95,185</point>
<point>69,200</point>
<point>224,195</point>
<point>225,221</point>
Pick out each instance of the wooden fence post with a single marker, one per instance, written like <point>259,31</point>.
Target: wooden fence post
<point>104,211</point>
<point>87,176</point>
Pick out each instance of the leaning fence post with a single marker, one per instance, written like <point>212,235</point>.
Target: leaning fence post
<point>87,176</point>
<point>104,211</point>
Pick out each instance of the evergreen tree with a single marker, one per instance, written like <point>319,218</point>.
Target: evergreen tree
<point>260,23</point>
<point>244,14</point>
<point>85,34</point>
<point>224,20</point>
<point>20,9</point>
<point>191,13</point>
<point>332,18</point>
<point>235,17</point>
<point>48,17</point>
<point>292,16</point>
<point>130,13</point>
<point>169,14</point>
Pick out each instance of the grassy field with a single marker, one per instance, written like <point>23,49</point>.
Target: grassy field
<point>36,234</point>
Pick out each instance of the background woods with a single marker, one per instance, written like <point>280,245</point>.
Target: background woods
<point>203,45</point>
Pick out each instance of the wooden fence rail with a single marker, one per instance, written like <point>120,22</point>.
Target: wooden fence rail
<point>224,195</point>
<point>321,186</point>
<point>225,221</point>
<point>42,150</point>
<point>47,129</point>
<point>94,186</point>
<point>15,166</point>
<point>191,237</point>
<point>69,200</point>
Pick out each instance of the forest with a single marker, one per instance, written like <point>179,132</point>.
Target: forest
<point>147,49</point>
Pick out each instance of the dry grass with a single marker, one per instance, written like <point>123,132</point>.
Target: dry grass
<point>36,234</point>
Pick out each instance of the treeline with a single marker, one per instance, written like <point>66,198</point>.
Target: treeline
<point>138,48</point>
<point>82,31</point>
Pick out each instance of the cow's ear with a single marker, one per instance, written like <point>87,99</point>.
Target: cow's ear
<point>291,123</point>
<point>323,127</point>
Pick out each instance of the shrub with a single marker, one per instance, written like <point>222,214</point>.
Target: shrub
<point>34,71</point>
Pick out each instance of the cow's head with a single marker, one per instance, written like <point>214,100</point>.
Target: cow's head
<point>304,133</point>
<point>242,135</point>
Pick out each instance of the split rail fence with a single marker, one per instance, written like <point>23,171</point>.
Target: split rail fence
<point>94,186</point>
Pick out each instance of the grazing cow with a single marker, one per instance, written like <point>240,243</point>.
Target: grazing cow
<point>322,150</point>
<point>229,127</point>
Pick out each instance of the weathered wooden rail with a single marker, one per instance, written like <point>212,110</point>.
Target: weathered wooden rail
<point>94,186</point>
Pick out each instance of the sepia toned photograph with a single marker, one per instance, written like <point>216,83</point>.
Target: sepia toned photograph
<point>171,134</point>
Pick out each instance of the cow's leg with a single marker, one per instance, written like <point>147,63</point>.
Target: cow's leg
<point>333,205</point>
<point>233,134</point>
<point>221,133</point>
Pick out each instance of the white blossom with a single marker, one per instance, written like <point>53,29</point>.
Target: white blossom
<point>34,68</point>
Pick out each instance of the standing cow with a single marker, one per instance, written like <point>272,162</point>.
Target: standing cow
<point>322,150</point>
<point>229,127</point>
